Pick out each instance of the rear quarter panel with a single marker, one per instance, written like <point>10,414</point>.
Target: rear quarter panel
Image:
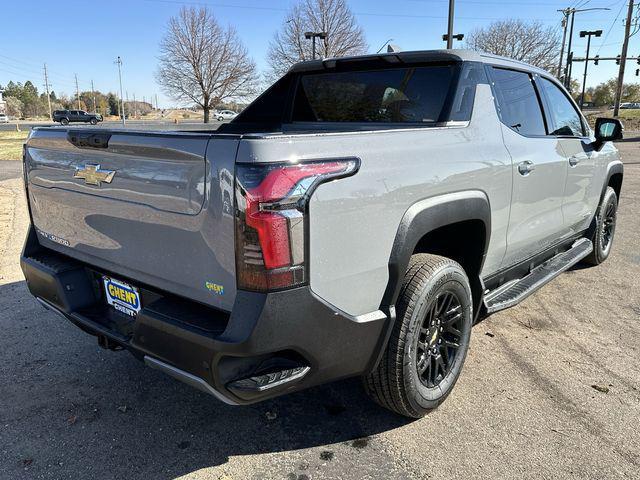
<point>353,221</point>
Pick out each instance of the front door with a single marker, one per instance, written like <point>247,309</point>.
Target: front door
<point>582,190</point>
<point>539,167</point>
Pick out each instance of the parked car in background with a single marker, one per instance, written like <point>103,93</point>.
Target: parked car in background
<point>4,118</point>
<point>630,105</point>
<point>66,117</point>
<point>225,115</point>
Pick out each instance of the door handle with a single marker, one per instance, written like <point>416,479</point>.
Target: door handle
<point>525,168</point>
<point>573,161</point>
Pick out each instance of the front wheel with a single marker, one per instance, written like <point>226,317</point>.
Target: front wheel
<point>430,338</point>
<point>605,228</point>
<point>93,121</point>
<point>64,121</point>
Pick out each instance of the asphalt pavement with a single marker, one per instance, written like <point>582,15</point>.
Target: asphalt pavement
<point>550,390</point>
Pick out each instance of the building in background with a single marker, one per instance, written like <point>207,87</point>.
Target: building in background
<point>3,104</point>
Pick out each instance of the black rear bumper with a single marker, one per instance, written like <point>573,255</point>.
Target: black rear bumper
<point>270,344</point>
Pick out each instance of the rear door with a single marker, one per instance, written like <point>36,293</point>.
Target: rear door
<point>539,166</point>
<point>582,189</point>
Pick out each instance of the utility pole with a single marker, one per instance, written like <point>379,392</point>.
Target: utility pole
<point>567,70</point>
<point>46,86</point>
<point>623,61</point>
<point>93,94</point>
<point>588,34</point>
<point>157,102</point>
<point>135,107</point>
<point>565,24</point>
<point>119,62</point>
<point>77,91</point>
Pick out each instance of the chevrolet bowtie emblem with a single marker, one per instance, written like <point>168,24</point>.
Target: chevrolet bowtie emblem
<point>92,175</point>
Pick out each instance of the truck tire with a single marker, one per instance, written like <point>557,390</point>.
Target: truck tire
<point>430,338</point>
<point>605,228</point>
<point>64,121</point>
<point>93,121</point>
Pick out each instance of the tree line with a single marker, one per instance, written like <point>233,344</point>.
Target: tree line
<point>23,100</point>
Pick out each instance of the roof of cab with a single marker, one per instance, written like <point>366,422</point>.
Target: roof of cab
<point>417,56</point>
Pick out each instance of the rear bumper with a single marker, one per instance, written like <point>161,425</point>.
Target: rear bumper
<point>270,344</point>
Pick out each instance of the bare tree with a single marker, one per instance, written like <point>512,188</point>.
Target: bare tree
<point>529,42</point>
<point>202,62</point>
<point>289,45</point>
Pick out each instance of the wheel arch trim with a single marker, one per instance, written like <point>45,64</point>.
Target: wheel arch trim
<point>613,168</point>
<point>426,216</point>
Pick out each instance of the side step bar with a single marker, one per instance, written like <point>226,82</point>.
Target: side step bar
<point>514,292</point>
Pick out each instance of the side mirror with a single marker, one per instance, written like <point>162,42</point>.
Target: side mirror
<point>607,130</point>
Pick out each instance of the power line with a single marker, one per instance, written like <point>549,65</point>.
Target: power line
<point>611,27</point>
<point>362,14</point>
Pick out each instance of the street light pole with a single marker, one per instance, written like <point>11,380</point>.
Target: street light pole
<point>588,34</point>
<point>450,25</point>
<point>313,36</point>
<point>573,11</point>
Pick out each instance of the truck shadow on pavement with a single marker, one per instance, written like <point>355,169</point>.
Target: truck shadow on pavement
<point>70,408</point>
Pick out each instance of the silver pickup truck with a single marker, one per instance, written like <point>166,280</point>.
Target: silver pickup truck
<point>355,220</point>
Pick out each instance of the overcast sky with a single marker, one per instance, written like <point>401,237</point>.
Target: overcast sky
<point>85,37</point>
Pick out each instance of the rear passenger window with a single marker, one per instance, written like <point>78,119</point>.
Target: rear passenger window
<point>564,118</point>
<point>394,95</point>
<point>518,102</point>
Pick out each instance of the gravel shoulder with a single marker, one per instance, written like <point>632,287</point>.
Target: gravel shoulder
<point>525,406</point>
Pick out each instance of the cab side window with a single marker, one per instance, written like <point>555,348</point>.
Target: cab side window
<point>518,103</point>
<point>564,119</point>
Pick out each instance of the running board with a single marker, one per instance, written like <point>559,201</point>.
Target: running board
<point>514,292</point>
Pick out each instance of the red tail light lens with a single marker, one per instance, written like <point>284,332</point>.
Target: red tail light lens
<point>271,202</point>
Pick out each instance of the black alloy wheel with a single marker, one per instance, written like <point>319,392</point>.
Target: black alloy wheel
<point>604,228</point>
<point>439,339</point>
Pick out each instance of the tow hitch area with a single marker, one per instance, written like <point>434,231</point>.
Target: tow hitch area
<point>108,344</point>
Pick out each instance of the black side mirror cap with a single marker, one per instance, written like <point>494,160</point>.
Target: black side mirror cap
<point>607,130</point>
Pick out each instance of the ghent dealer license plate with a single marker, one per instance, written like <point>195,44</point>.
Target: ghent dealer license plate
<point>121,296</point>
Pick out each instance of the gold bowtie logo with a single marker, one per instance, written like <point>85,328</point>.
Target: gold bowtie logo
<point>92,175</point>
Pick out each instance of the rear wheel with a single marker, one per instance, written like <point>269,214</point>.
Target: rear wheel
<point>430,338</point>
<point>64,121</point>
<point>605,228</point>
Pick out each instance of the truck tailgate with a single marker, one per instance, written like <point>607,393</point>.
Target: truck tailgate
<point>153,208</point>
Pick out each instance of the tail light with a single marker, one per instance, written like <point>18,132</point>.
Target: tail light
<point>271,211</point>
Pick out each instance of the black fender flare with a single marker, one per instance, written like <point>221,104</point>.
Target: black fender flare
<point>426,216</point>
<point>612,169</point>
<point>421,218</point>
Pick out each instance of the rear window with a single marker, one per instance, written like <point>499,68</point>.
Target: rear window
<point>397,95</point>
<point>518,103</point>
